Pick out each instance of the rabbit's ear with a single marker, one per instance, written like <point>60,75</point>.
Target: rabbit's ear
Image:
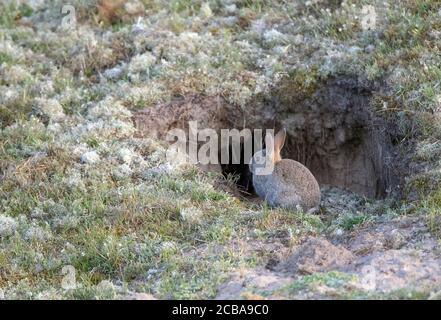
<point>279,141</point>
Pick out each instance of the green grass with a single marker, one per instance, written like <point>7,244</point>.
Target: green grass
<point>432,209</point>
<point>332,279</point>
<point>11,11</point>
<point>349,222</point>
<point>5,58</point>
<point>113,235</point>
<point>130,230</point>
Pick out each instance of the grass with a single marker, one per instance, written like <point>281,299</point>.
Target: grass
<point>13,12</point>
<point>349,222</point>
<point>332,279</point>
<point>129,228</point>
<point>431,207</point>
<point>104,233</point>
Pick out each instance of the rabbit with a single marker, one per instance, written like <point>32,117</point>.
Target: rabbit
<point>290,185</point>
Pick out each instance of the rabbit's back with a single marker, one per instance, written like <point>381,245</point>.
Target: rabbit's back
<point>294,184</point>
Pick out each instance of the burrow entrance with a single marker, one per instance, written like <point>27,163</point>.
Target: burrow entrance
<point>334,133</point>
<point>331,130</point>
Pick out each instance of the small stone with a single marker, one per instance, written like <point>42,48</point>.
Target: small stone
<point>90,157</point>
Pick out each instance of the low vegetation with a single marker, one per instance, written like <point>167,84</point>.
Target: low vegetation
<point>79,188</point>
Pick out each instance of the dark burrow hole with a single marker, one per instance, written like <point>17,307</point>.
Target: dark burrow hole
<point>334,134</point>
<point>239,172</point>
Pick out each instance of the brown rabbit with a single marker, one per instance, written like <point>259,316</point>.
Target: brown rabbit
<point>290,185</point>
